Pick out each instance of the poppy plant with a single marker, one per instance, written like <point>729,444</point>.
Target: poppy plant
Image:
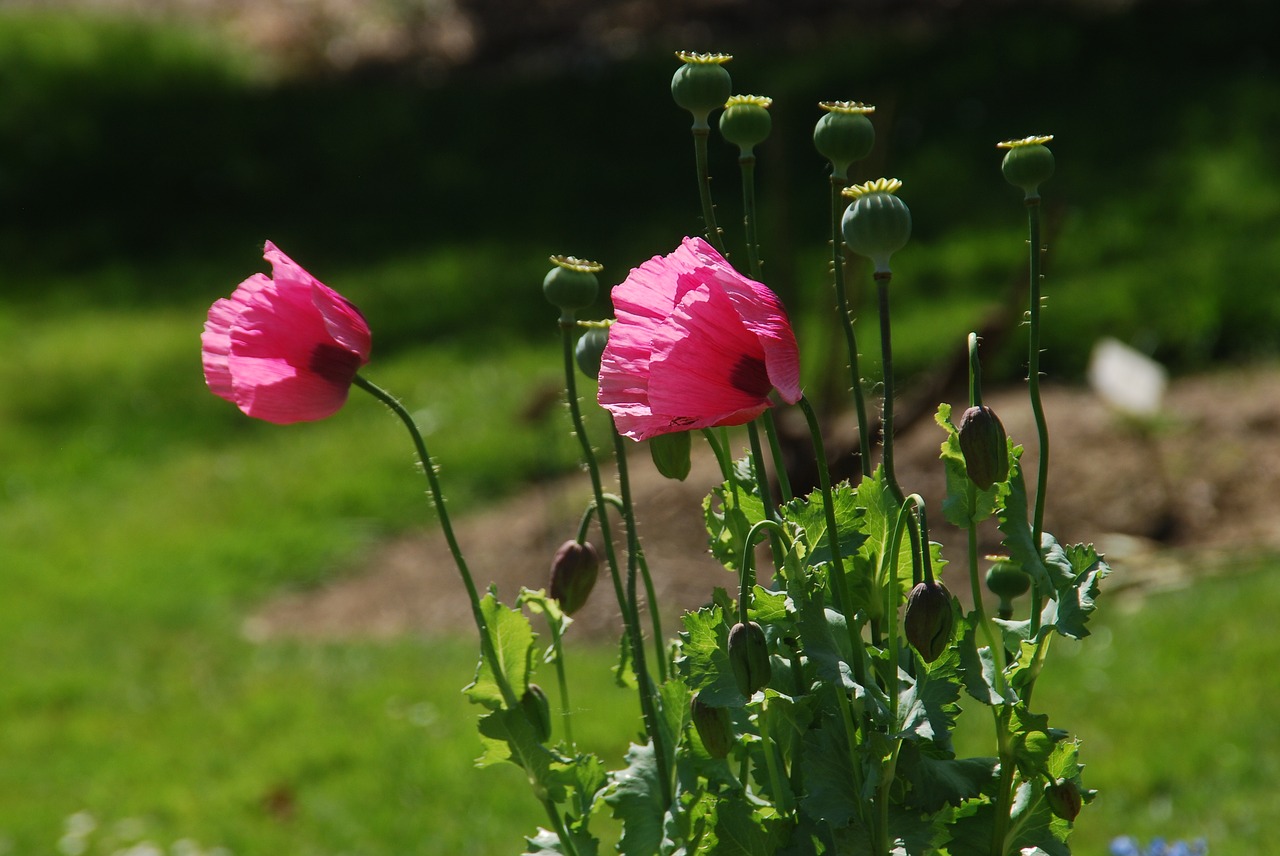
<point>695,345</point>
<point>284,348</point>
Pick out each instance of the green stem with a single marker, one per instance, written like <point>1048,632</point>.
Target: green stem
<point>779,461</point>
<point>1004,788</point>
<point>437,495</point>
<point>635,556</point>
<point>557,826</point>
<point>846,322</point>
<point>747,163</point>
<point>721,453</point>
<point>713,235</point>
<point>566,711</point>
<point>1033,386</point>
<point>629,617</point>
<point>886,361</point>
<point>766,493</point>
<point>767,745</point>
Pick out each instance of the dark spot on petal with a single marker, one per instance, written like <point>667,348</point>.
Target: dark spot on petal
<point>335,364</point>
<point>750,375</point>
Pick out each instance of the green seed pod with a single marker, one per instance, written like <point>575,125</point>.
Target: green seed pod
<point>571,284</point>
<point>983,444</point>
<point>877,223</point>
<point>671,454</point>
<point>538,711</point>
<point>1028,164</point>
<point>589,349</point>
<point>573,574</point>
<point>701,84</point>
<point>1064,798</point>
<point>745,122</point>
<point>1006,580</point>
<point>844,134</point>
<point>749,657</point>
<point>928,621</point>
<point>1033,751</point>
<point>714,728</point>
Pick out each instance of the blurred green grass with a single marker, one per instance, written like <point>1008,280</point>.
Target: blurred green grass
<point>140,518</point>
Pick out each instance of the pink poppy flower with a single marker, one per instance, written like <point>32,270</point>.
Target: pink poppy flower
<point>284,348</point>
<point>695,345</point>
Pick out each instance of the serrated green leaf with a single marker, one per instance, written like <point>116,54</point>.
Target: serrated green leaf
<point>1046,564</point>
<point>584,776</point>
<point>539,602</point>
<point>823,633</point>
<point>546,843</point>
<point>977,667</point>
<point>673,696</point>
<point>704,658</point>
<point>810,516</point>
<point>513,643</point>
<point>768,607</point>
<point>1077,601</point>
<point>832,792</point>
<point>927,704</point>
<point>1033,825</point>
<point>729,512</point>
<point>743,829</point>
<point>635,798</point>
<point>507,735</point>
<point>938,780</point>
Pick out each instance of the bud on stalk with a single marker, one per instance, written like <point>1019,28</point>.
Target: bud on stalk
<point>538,711</point>
<point>749,657</point>
<point>713,727</point>
<point>573,574</point>
<point>983,444</point>
<point>1064,798</point>
<point>928,621</point>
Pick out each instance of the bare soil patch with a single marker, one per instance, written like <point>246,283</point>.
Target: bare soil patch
<point>1165,501</point>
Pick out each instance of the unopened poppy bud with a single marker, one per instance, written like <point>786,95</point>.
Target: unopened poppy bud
<point>571,284</point>
<point>701,84</point>
<point>1006,580</point>
<point>589,349</point>
<point>1064,798</point>
<point>713,726</point>
<point>573,574</point>
<point>844,134</point>
<point>1028,164</point>
<point>982,442</point>
<point>745,121</point>
<point>749,657</point>
<point>538,711</point>
<point>877,223</point>
<point>928,621</point>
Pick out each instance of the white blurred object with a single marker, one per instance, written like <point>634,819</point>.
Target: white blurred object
<point>1127,379</point>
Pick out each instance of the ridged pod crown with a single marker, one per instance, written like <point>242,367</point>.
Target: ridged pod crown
<point>571,284</point>
<point>701,84</point>
<point>877,223</point>
<point>844,134</point>
<point>745,121</point>
<point>1027,164</point>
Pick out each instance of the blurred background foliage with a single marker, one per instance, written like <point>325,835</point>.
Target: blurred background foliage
<point>425,159</point>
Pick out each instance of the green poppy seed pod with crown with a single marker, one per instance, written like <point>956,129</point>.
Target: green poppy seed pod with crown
<point>877,223</point>
<point>590,349</point>
<point>928,620</point>
<point>538,711</point>
<point>574,570</point>
<point>844,134</point>
<point>745,122</point>
<point>714,727</point>
<point>1027,164</point>
<point>749,657</point>
<point>571,284</point>
<point>984,446</point>
<point>701,84</point>
<point>1007,581</point>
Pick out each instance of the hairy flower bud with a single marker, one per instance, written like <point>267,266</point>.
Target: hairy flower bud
<point>982,442</point>
<point>573,574</point>
<point>749,657</point>
<point>1064,798</point>
<point>928,621</point>
<point>713,727</point>
<point>538,711</point>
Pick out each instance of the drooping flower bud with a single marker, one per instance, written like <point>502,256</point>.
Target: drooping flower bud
<point>701,84</point>
<point>927,623</point>
<point>589,349</point>
<point>573,574</point>
<point>877,223</point>
<point>844,134</point>
<point>745,122</point>
<point>1028,164</point>
<point>749,657</point>
<point>571,284</point>
<point>538,711</point>
<point>1064,798</point>
<point>983,444</point>
<point>713,726</point>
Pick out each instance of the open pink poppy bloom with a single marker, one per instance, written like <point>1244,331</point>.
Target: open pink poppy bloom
<point>695,345</point>
<point>284,348</point>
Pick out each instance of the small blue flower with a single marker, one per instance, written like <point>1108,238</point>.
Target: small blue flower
<point>1126,845</point>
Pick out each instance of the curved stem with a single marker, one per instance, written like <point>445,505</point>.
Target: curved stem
<point>630,620</point>
<point>713,235</point>
<point>766,493</point>
<point>437,495</point>
<point>886,361</point>
<point>846,323</point>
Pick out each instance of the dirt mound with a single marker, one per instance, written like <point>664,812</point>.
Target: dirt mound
<point>1163,499</point>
